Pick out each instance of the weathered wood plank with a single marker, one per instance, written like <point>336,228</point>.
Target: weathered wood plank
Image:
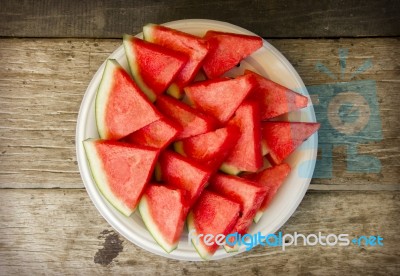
<point>274,18</point>
<point>57,231</point>
<point>42,83</point>
<point>387,78</point>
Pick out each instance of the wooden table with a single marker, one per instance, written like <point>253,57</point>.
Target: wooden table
<point>49,52</point>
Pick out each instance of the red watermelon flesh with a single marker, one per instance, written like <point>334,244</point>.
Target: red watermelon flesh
<point>247,193</point>
<point>153,67</point>
<point>282,138</point>
<point>226,50</point>
<point>212,214</point>
<point>246,155</point>
<point>211,148</point>
<point>183,173</point>
<point>192,46</point>
<point>120,170</point>
<point>272,178</point>
<point>274,98</point>
<point>191,121</point>
<point>118,102</point>
<point>220,97</point>
<point>163,212</point>
<point>158,134</point>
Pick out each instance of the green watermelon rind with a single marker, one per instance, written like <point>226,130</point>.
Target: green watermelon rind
<point>264,148</point>
<point>174,91</point>
<point>133,66</point>
<point>157,172</point>
<point>229,169</point>
<point>99,176</point>
<point>258,216</point>
<point>201,250</point>
<point>152,227</point>
<point>178,147</point>
<point>147,32</point>
<point>102,96</point>
<point>233,249</point>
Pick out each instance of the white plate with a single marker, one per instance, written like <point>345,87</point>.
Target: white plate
<point>267,61</point>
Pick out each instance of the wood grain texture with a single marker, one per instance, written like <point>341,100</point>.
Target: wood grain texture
<point>42,82</point>
<point>274,18</point>
<point>53,231</point>
<point>385,73</point>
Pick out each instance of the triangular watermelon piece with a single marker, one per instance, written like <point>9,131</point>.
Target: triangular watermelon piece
<point>282,138</point>
<point>153,67</point>
<point>274,98</point>
<point>246,155</point>
<point>183,173</point>
<point>272,178</point>
<point>211,148</point>
<point>192,46</point>
<point>163,212</point>
<point>118,102</point>
<point>226,50</point>
<point>213,215</point>
<point>190,120</point>
<point>247,193</point>
<point>220,97</point>
<point>120,171</point>
<point>158,134</point>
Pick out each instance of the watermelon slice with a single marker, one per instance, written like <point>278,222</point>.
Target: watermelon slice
<point>158,134</point>
<point>249,194</point>
<point>211,148</point>
<point>163,212</point>
<point>220,97</point>
<point>282,138</point>
<point>211,215</point>
<point>192,46</point>
<point>118,102</point>
<point>153,66</point>
<point>274,98</point>
<point>272,178</point>
<point>191,121</point>
<point>246,155</point>
<point>183,173</point>
<point>226,50</point>
<point>120,171</point>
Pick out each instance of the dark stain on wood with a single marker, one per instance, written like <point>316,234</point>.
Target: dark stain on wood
<point>112,246</point>
<point>256,271</point>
